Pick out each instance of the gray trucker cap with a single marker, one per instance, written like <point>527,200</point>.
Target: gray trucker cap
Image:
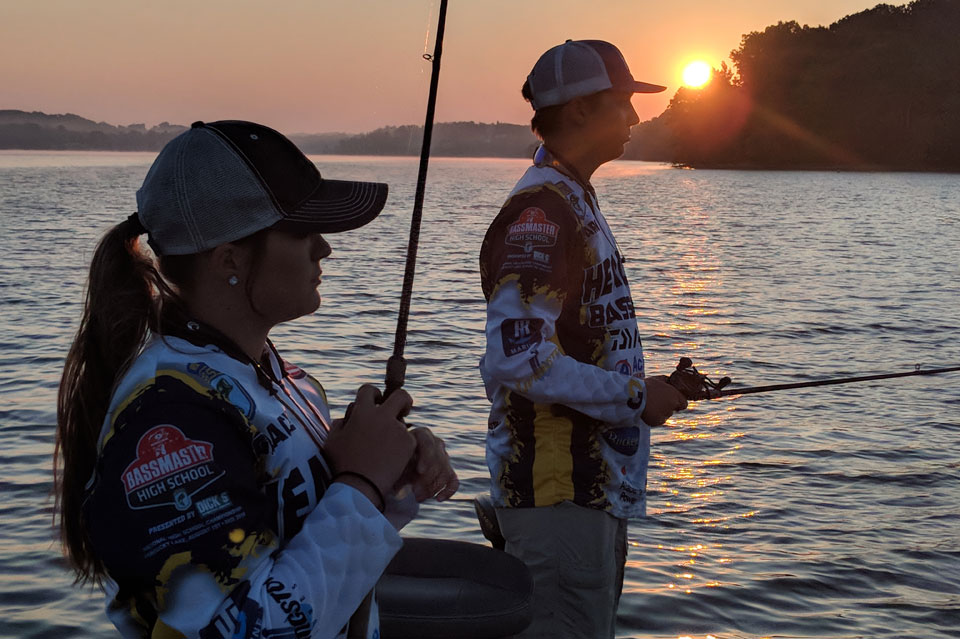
<point>581,67</point>
<point>222,181</point>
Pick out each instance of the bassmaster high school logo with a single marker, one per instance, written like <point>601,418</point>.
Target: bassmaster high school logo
<point>532,230</point>
<point>169,469</point>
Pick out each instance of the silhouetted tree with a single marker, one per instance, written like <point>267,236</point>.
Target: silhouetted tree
<point>877,89</point>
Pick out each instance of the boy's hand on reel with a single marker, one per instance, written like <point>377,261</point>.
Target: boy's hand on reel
<point>693,384</point>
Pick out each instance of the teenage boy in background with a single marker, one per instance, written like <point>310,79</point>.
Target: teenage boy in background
<point>569,430</point>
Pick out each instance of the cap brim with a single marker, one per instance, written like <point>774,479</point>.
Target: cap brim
<point>337,206</point>
<point>646,87</point>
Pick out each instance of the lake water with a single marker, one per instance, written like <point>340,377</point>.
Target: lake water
<point>822,512</point>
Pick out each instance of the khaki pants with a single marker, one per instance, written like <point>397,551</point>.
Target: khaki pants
<point>576,556</point>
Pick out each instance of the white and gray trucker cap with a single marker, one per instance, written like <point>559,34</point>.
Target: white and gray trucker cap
<point>222,181</point>
<point>581,67</point>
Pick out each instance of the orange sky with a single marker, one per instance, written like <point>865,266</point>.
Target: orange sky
<point>345,65</point>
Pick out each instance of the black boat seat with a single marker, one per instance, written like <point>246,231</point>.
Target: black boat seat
<point>446,589</point>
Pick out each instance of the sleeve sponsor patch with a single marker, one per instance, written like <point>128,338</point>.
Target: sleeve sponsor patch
<point>227,387</point>
<point>520,335</point>
<point>532,230</point>
<point>169,469</point>
<point>625,440</point>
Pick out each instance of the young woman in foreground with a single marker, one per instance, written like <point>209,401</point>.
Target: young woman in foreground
<point>199,477</point>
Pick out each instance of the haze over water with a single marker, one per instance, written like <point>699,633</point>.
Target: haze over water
<point>825,512</point>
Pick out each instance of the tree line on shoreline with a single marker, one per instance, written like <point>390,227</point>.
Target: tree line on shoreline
<point>39,131</point>
<point>879,89</point>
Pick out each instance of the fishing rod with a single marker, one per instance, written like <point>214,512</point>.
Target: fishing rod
<point>397,365</point>
<point>697,386</point>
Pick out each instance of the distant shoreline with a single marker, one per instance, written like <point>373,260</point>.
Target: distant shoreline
<point>152,154</point>
<point>149,155</point>
<point>36,132</point>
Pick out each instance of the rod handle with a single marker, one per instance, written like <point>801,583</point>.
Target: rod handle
<point>396,373</point>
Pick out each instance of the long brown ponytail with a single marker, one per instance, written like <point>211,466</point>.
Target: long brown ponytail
<point>123,301</point>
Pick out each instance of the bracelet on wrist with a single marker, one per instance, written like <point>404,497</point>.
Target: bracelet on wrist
<point>367,481</point>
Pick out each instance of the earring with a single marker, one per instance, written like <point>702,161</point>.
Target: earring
<point>233,280</point>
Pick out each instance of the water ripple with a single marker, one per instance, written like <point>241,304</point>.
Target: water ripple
<point>821,512</point>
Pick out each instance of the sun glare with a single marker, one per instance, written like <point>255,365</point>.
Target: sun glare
<point>696,74</point>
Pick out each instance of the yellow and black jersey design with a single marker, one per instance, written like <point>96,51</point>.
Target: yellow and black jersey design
<point>563,366</point>
<point>212,508</point>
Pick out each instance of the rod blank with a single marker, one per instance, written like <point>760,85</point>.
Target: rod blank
<point>826,382</point>
<point>397,365</point>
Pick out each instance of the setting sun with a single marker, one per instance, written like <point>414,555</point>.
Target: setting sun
<point>696,74</point>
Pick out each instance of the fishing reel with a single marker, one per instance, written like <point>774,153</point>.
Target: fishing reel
<point>693,384</point>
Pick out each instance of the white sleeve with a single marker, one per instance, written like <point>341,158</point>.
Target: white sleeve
<point>310,588</point>
<point>524,356</point>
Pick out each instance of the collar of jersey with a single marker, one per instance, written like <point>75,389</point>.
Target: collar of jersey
<point>544,157</point>
<point>200,334</point>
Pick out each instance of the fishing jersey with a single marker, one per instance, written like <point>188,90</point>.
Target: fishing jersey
<point>212,506</point>
<point>563,366</point>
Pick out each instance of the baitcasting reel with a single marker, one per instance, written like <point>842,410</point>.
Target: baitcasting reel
<point>693,384</point>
